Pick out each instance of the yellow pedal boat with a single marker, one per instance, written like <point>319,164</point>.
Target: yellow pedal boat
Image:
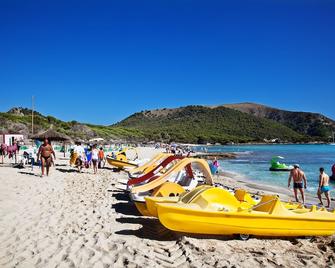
<point>172,183</point>
<point>184,197</point>
<point>166,190</point>
<point>120,160</point>
<point>241,195</point>
<point>216,211</point>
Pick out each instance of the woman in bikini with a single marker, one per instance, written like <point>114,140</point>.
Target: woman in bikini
<point>44,154</point>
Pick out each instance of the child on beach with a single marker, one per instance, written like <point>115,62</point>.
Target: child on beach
<point>324,187</point>
<point>95,158</point>
<point>214,166</point>
<point>101,157</point>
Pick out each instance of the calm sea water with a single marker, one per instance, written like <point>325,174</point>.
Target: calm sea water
<point>254,161</point>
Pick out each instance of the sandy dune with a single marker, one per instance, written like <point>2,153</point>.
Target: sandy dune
<point>85,220</point>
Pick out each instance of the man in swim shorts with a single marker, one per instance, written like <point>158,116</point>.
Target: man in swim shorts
<point>324,187</point>
<point>44,154</point>
<point>299,182</point>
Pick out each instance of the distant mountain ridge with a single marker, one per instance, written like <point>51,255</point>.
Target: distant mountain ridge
<point>199,124</point>
<point>18,120</point>
<point>306,123</point>
<point>245,122</point>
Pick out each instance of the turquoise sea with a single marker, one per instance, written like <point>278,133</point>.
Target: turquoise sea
<point>254,161</point>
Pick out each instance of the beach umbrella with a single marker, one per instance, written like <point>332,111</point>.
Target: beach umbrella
<point>96,139</point>
<point>52,135</point>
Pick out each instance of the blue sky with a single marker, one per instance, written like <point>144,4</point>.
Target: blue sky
<point>100,61</point>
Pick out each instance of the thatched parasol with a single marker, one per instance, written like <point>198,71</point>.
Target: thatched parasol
<point>96,140</point>
<point>53,135</point>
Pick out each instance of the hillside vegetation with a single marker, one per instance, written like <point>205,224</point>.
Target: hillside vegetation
<point>313,125</point>
<point>191,124</point>
<point>18,120</point>
<point>199,124</point>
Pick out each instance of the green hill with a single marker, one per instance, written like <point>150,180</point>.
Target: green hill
<point>199,124</point>
<point>18,120</point>
<point>314,125</point>
<point>191,124</point>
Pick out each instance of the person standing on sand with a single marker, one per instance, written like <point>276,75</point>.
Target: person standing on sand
<point>324,187</point>
<point>101,157</point>
<point>299,182</point>
<point>81,157</point>
<point>95,158</point>
<point>44,154</point>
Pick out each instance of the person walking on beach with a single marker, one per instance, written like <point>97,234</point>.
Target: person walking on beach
<point>44,154</point>
<point>95,158</point>
<point>299,182</point>
<point>80,151</point>
<point>324,187</point>
<point>101,157</point>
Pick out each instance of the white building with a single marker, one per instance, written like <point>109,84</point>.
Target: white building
<point>9,139</point>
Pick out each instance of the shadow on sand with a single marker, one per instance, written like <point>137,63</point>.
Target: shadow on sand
<point>29,173</point>
<point>151,229</point>
<point>126,208</point>
<point>121,196</point>
<point>67,170</point>
<point>124,205</point>
<point>61,165</point>
<point>111,169</point>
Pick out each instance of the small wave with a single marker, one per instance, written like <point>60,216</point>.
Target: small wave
<point>239,161</point>
<point>232,174</point>
<point>244,153</point>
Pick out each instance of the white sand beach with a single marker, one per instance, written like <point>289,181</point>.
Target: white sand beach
<point>72,219</point>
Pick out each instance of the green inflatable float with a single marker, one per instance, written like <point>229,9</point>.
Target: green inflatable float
<point>277,166</point>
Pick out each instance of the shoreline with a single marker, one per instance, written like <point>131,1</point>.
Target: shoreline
<point>260,143</point>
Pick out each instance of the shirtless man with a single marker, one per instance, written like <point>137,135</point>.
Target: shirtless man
<point>299,182</point>
<point>44,154</point>
<point>324,187</point>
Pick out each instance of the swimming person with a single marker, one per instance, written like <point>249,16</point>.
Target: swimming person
<point>44,154</point>
<point>95,158</point>
<point>324,187</point>
<point>299,182</point>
